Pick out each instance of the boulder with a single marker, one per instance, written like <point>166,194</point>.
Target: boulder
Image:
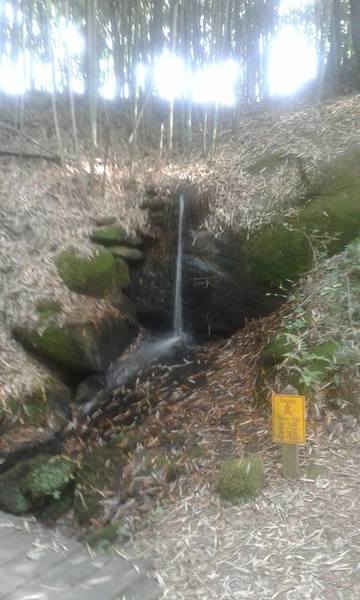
<point>79,347</point>
<point>108,235</point>
<point>96,275</point>
<point>105,220</point>
<point>131,255</point>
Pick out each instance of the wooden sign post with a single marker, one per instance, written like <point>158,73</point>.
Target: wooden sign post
<point>288,414</point>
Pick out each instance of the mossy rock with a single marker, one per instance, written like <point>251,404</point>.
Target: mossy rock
<point>96,275</point>
<point>79,347</point>
<point>108,235</point>
<point>31,483</point>
<point>241,480</point>
<point>278,255</point>
<point>123,273</point>
<point>99,476</point>
<point>104,537</point>
<point>335,218</point>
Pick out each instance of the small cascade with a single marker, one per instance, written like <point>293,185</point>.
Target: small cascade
<point>178,324</point>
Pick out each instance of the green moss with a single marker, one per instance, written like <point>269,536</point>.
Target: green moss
<point>108,235</point>
<point>104,537</point>
<point>55,343</point>
<point>241,480</point>
<point>84,347</point>
<point>96,275</point>
<point>49,478</point>
<point>334,218</point>
<point>99,474</point>
<point>123,273</point>
<point>278,255</point>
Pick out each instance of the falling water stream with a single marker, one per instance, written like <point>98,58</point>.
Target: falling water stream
<point>178,309</point>
<point>124,369</point>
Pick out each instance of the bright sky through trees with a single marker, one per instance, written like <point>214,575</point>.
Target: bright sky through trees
<point>292,63</point>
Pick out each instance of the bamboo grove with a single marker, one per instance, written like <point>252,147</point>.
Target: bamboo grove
<point>127,33</point>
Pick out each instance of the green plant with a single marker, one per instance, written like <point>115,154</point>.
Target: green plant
<point>240,480</point>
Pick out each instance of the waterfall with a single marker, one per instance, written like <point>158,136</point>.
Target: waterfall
<point>178,311</point>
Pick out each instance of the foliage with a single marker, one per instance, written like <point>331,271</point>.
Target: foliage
<point>32,483</point>
<point>321,332</point>
<point>241,480</point>
<point>49,478</point>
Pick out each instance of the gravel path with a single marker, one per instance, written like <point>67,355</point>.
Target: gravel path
<point>299,540</point>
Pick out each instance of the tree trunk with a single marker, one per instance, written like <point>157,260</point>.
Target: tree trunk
<point>355,29</point>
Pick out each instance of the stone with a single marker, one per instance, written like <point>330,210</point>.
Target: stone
<point>108,235</point>
<point>131,255</point>
<point>96,275</point>
<point>79,347</point>
<point>105,220</point>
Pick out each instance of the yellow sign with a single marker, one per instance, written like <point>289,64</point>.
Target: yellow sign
<point>288,413</point>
